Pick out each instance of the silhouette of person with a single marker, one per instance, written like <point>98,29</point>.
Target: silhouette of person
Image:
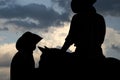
<point>23,65</point>
<point>87,29</point>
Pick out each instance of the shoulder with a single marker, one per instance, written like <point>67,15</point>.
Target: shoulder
<point>77,17</point>
<point>17,57</point>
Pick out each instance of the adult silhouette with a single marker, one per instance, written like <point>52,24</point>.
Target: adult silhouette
<point>87,30</point>
<point>23,65</point>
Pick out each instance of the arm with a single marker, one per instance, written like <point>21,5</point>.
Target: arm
<point>65,46</point>
<point>70,37</point>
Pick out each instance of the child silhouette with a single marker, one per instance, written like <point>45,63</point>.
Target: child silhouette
<point>22,65</point>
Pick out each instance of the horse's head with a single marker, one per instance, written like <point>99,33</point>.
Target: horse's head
<point>54,56</point>
<point>51,55</point>
<point>50,51</point>
<point>56,61</point>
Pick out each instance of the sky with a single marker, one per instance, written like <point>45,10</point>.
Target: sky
<point>50,19</point>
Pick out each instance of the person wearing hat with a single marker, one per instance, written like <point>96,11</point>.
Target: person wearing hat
<point>87,30</point>
<point>23,65</point>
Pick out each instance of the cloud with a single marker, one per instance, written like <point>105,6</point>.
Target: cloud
<point>26,23</point>
<point>57,14</point>
<point>6,53</point>
<point>111,45</point>
<point>54,37</point>
<point>108,7</point>
<point>64,4</point>
<point>4,73</point>
<point>4,3</point>
<point>4,29</point>
<point>46,16</point>
<point>2,38</point>
<point>116,48</point>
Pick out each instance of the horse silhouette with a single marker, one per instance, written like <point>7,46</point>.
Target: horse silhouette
<point>56,57</point>
<point>112,61</point>
<point>56,62</point>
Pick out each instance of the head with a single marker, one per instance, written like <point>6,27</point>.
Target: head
<point>81,5</point>
<point>27,41</point>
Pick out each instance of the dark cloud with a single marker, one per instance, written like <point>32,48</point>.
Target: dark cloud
<point>6,2</point>
<point>2,3</point>
<point>108,7</point>
<point>4,29</point>
<point>46,16</point>
<point>63,3</point>
<point>25,24</point>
